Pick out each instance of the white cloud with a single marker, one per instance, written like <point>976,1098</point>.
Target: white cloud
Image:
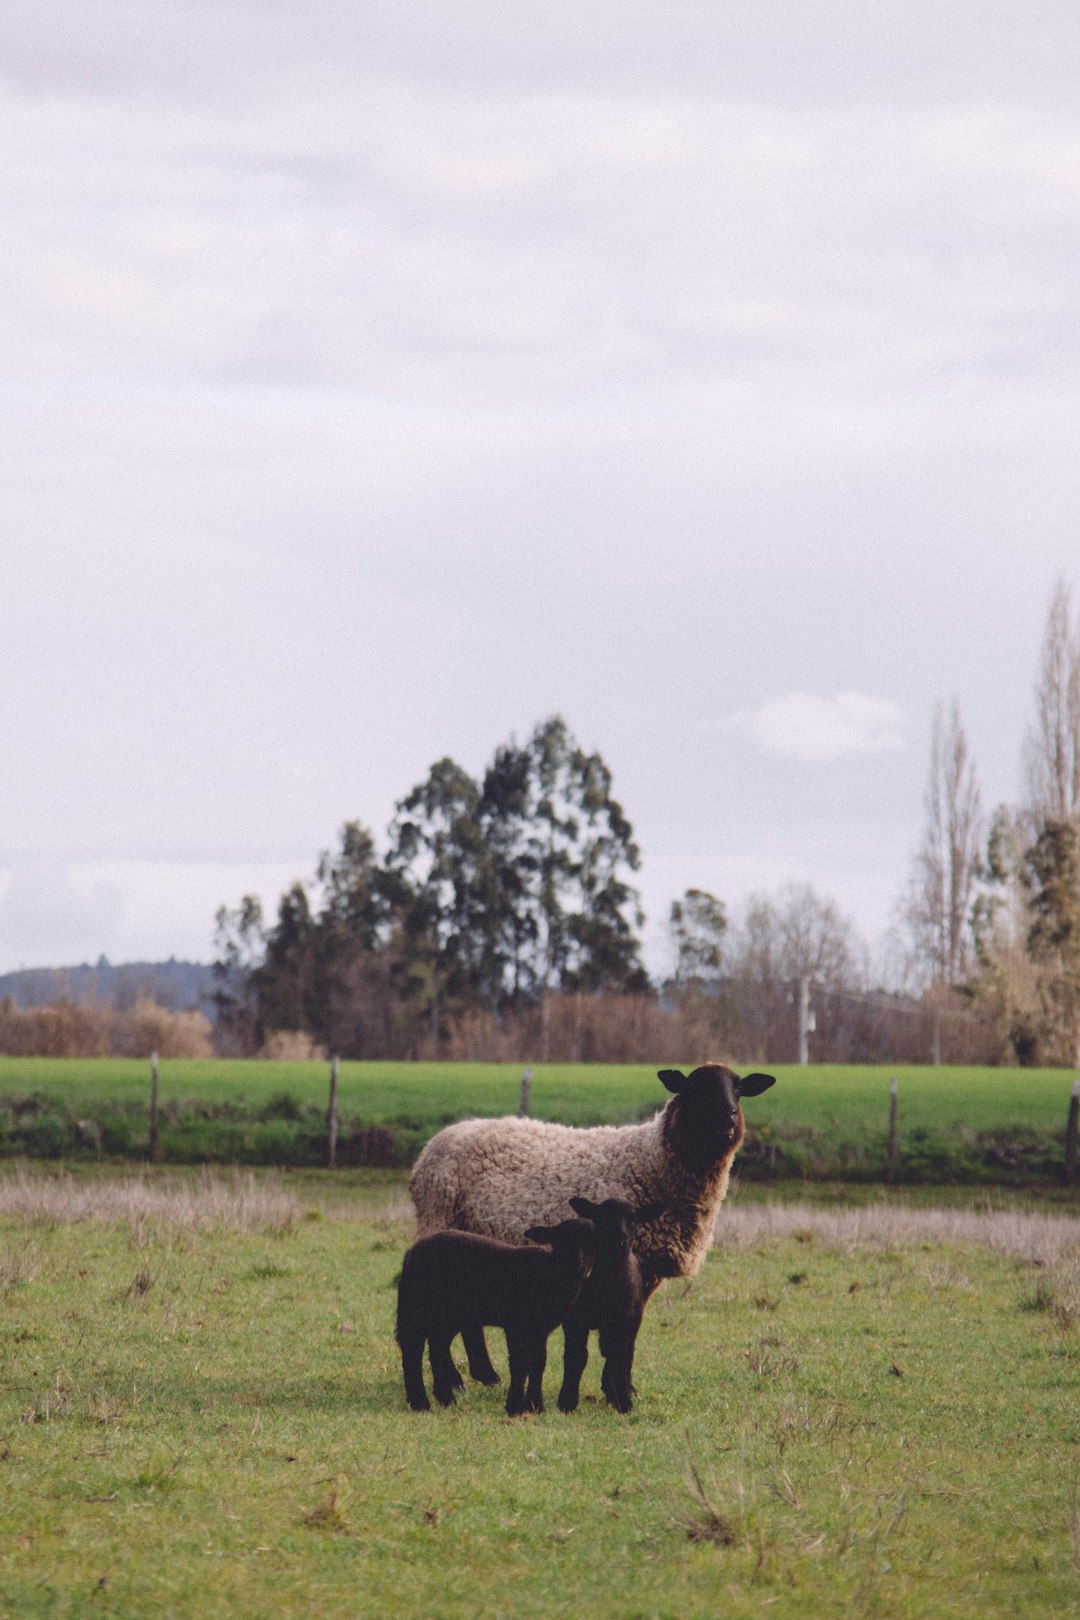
<point>802,726</point>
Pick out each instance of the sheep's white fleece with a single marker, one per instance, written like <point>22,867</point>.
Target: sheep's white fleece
<point>498,1176</point>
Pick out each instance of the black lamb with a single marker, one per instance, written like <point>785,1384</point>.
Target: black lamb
<point>612,1301</point>
<point>456,1282</point>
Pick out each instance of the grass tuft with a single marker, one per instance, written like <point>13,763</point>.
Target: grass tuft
<point>140,1284</point>
<point>18,1266</point>
<point>1041,1297</point>
<point>326,1516</point>
<point>709,1518</point>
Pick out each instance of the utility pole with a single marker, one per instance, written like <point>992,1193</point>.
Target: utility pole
<point>807,1020</point>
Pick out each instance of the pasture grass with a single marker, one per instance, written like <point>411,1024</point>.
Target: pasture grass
<point>201,1414</point>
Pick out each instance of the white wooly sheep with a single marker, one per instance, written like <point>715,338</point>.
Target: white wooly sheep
<point>500,1176</point>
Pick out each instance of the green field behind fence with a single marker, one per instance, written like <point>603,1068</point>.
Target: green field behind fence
<point>820,1122</point>
<point>814,1098</point>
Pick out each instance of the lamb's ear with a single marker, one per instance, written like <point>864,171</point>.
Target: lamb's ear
<point>674,1079</point>
<point>539,1234</point>
<point>752,1085</point>
<point>584,1207</point>
<point>649,1213</point>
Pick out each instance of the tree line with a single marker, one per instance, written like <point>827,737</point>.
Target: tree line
<point>492,898</point>
<point>500,922</point>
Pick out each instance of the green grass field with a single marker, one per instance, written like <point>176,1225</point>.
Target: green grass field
<point>955,1126</point>
<point>812,1098</point>
<point>204,1420</point>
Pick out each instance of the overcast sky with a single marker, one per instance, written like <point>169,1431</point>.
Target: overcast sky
<point>378,381</point>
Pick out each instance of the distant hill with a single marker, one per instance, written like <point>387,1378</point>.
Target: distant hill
<point>172,984</point>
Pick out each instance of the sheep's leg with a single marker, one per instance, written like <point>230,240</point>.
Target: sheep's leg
<point>534,1395</point>
<point>442,1368</point>
<point>412,1367</point>
<point>575,1359</point>
<point>517,1350</point>
<point>476,1349</point>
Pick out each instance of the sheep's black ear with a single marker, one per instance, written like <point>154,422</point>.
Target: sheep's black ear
<point>674,1079</point>
<point>752,1085</point>
<point>539,1234</point>
<point>583,1206</point>
<point>649,1213</point>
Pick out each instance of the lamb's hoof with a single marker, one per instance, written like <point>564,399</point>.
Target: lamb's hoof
<point>445,1397</point>
<point>486,1376</point>
<point>567,1403</point>
<point>456,1381</point>
<point>420,1406</point>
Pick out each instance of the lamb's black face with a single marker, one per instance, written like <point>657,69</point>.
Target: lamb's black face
<point>706,1120</point>
<point>614,1221</point>
<point>573,1240</point>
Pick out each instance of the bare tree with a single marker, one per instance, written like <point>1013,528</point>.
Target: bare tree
<point>1052,745</point>
<point>779,941</point>
<point>939,900</point>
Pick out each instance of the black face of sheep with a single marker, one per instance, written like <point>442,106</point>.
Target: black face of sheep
<point>706,1119</point>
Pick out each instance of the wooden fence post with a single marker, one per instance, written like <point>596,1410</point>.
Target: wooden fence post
<point>1071,1132</point>
<point>526,1087</point>
<point>331,1118</point>
<point>890,1158</point>
<point>153,1107</point>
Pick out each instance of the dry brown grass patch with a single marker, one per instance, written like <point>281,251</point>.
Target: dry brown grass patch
<point>1051,1239</point>
<point>213,1201</point>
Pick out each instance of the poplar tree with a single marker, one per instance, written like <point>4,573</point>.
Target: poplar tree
<point>942,889</point>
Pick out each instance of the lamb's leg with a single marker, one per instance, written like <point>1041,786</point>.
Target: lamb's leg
<point>412,1367</point>
<point>442,1368</point>
<point>476,1349</point>
<point>534,1395</point>
<point>575,1359</point>
<point>618,1351</point>
<point>517,1350</point>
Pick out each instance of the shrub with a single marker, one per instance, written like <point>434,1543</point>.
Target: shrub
<point>282,1105</point>
<point>292,1046</point>
<point>67,1029</point>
